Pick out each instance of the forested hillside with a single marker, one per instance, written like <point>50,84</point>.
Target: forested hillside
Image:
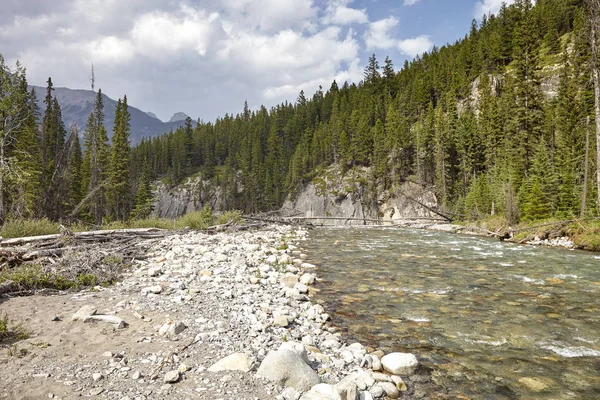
<point>502,121</point>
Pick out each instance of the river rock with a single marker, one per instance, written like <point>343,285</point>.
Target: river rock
<point>307,279</point>
<point>346,388</point>
<point>289,280</point>
<point>297,348</point>
<point>362,379</point>
<point>233,362</point>
<point>281,320</point>
<point>156,289</point>
<point>399,363</point>
<point>286,368</point>
<point>171,377</point>
<point>377,391</point>
<point>83,312</point>
<point>322,391</point>
<point>172,329</point>
<point>390,389</point>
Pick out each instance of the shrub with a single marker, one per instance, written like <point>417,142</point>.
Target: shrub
<point>234,216</point>
<point>8,332</point>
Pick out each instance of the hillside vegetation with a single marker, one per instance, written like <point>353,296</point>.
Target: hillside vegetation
<point>496,123</point>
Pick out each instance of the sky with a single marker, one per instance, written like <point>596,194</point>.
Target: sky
<point>206,57</point>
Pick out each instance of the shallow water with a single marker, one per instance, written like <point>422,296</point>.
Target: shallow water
<point>492,320</point>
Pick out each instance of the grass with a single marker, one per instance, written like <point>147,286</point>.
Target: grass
<point>10,332</point>
<point>29,227</point>
<point>196,220</point>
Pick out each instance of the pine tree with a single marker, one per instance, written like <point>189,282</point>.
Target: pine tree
<point>95,164</point>
<point>144,202</point>
<point>118,171</point>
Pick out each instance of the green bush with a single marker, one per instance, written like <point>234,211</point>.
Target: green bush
<point>29,227</point>
<point>196,220</point>
<point>234,216</point>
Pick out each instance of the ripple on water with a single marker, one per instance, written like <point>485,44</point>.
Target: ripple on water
<point>572,351</point>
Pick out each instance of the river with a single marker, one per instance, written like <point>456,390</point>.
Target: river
<point>490,319</point>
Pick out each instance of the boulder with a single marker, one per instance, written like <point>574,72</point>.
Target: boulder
<point>233,362</point>
<point>281,320</point>
<point>297,348</point>
<point>399,363</point>
<point>286,368</point>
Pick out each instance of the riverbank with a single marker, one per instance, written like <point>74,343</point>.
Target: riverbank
<point>204,316</point>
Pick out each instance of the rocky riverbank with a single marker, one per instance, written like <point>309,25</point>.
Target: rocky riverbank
<point>223,316</point>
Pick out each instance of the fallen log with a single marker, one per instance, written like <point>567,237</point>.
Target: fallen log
<point>108,234</point>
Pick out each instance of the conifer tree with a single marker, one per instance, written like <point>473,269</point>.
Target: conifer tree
<point>143,203</point>
<point>118,172</point>
<point>95,165</point>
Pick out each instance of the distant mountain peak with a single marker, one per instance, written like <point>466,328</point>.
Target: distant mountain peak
<point>178,116</point>
<point>151,114</point>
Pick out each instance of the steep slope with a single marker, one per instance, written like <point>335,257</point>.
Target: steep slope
<point>76,105</point>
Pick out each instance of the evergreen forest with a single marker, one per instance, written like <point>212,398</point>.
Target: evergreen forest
<point>502,122</point>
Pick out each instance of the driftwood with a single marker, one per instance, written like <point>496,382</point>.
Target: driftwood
<point>92,235</point>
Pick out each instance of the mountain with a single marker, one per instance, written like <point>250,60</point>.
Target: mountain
<point>178,116</point>
<point>76,105</point>
<point>150,113</point>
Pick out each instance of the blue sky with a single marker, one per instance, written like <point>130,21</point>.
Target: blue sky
<point>205,57</point>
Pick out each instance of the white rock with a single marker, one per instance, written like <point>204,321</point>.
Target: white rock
<point>156,289</point>
<point>346,388</point>
<point>377,391</point>
<point>390,389</point>
<point>399,363</point>
<point>307,279</point>
<point>281,320</point>
<point>303,289</point>
<point>83,312</point>
<point>286,368</point>
<point>322,391</point>
<point>171,377</point>
<point>97,376</point>
<point>155,271</point>
<point>289,280</point>
<point>362,379</point>
<point>233,362</point>
<point>172,329</point>
<point>297,348</point>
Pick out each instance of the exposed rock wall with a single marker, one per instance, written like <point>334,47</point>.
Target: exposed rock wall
<point>350,200</point>
<point>193,195</point>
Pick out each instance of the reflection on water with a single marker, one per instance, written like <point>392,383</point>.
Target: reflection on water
<point>493,320</point>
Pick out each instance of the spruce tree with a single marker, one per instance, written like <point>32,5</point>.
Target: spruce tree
<point>118,172</point>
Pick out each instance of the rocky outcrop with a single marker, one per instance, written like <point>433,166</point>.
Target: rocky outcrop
<point>349,199</point>
<point>192,195</point>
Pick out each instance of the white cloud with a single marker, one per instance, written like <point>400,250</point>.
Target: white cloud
<point>378,36</point>
<point>415,46</point>
<point>171,56</point>
<point>484,7</point>
<point>339,13</point>
<point>410,2</point>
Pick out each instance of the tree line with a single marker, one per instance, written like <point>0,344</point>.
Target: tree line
<point>499,122</point>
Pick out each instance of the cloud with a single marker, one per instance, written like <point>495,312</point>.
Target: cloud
<point>410,2</point>
<point>172,55</point>
<point>485,7</point>
<point>338,13</point>
<point>415,46</point>
<point>378,36</point>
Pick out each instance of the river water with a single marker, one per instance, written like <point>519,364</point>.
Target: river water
<point>490,320</point>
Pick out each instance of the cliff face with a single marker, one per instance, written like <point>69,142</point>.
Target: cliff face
<point>193,195</point>
<point>339,198</point>
<point>350,199</point>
